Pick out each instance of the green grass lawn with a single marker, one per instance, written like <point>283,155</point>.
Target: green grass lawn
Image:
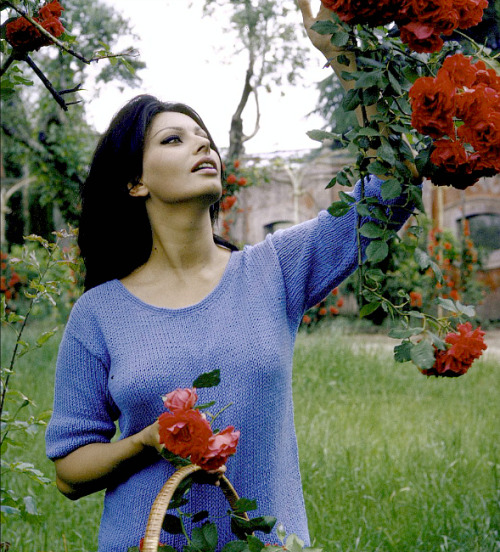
<point>391,460</point>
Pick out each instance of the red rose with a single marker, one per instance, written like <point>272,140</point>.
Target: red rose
<point>460,70</point>
<point>415,299</point>
<point>334,310</point>
<point>236,164</point>
<point>53,26</point>
<point>52,9</point>
<point>227,203</point>
<point>433,106</point>
<point>322,311</point>
<point>466,346</point>
<point>484,134</point>
<point>180,399</point>
<point>185,433</point>
<point>470,12</point>
<point>242,181</point>
<point>340,303</point>
<point>231,179</point>
<point>306,319</point>
<point>20,33</point>
<point>449,154</point>
<point>368,12</point>
<point>220,447</point>
<point>421,38</point>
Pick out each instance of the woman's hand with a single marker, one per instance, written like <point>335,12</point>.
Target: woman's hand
<point>150,436</point>
<point>323,43</point>
<point>319,41</point>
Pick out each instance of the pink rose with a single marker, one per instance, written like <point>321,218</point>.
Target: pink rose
<point>180,399</point>
<point>220,447</point>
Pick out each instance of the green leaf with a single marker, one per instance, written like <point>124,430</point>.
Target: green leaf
<point>367,131</point>
<point>255,544</point>
<point>321,135</point>
<point>200,516</point>
<point>394,83</point>
<point>343,179</point>
<point>371,95</point>
<point>352,100</point>
<point>390,189</point>
<point>375,274</point>
<point>404,333</point>
<point>331,184</point>
<point>377,251</point>
<point>402,352</point>
<point>338,209</point>
<point>386,153</point>
<point>209,379</point>
<point>422,354</point>
<point>422,258</point>
<point>172,524</point>
<point>294,544</point>
<point>369,308</point>
<point>376,167</point>
<point>244,505</point>
<point>339,38</point>
<point>209,531</point>
<point>324,27</point>
<point>371,230</point>
<point>369,78</point>
<point>363,210</point>
<point>236,546</point>
<point>45,337</point>
<point>347,198</point>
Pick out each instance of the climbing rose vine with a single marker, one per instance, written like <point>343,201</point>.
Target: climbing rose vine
<point>422,23</point>
<point>460,109</point>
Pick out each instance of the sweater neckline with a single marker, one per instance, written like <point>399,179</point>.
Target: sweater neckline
<point>212,296</point>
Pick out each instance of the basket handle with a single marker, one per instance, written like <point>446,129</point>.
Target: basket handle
<point>162,501</point>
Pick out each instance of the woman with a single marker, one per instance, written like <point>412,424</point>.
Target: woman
<point>166,301</point>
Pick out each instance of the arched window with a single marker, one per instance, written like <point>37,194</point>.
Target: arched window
<point>485,231</point>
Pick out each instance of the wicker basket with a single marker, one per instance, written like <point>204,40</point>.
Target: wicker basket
<point>162,501</point>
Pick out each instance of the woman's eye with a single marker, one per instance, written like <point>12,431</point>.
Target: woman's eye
<point>171,139</point>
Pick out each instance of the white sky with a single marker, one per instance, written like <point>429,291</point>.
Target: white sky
<point>190,59</point>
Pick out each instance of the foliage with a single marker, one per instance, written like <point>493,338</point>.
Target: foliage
<point>41,276</point>
<point>97,22</point>
<point>39,140</point>
<point>378,85</point>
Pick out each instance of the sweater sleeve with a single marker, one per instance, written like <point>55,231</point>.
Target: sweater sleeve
<point>83,409</point>
<point>317,255</point>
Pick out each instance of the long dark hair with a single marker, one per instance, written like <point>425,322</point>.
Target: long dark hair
<point>114,232</point>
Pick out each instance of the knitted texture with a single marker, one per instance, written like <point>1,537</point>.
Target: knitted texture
<point>119,355</point>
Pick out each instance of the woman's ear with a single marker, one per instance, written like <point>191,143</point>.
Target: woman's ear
<point>137,189</point>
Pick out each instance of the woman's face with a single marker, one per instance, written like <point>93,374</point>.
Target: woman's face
<point>178,165</point>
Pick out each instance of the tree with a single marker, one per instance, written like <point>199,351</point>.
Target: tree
<point>48,145</point>
<point>267,31</point>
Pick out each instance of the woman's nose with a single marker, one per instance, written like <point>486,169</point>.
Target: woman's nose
<point>203,144</point>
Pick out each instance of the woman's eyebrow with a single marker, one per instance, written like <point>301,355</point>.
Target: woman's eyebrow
<point>196,129</point>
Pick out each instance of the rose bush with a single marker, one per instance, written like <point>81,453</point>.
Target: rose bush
<point>460,109</point>
<point>421,22</point>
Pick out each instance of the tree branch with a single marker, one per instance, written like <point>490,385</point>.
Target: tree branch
<point>60,44</point>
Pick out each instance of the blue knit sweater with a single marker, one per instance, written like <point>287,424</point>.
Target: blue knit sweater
<point>119,355</point>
